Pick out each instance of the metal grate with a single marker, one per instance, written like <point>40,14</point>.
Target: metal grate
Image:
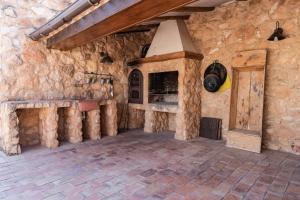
<point>211,128</point>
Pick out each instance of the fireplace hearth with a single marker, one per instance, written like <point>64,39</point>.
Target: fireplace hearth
<point>171,87</point>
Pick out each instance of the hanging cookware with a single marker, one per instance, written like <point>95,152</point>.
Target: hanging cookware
<point>145,50</point>
<point>214,76</point>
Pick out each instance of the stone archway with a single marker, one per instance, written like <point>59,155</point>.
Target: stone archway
<point>135,87</point>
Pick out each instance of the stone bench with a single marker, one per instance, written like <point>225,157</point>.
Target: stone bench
<point>48,122</point>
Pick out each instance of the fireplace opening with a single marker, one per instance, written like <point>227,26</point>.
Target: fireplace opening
<point>163,88</point>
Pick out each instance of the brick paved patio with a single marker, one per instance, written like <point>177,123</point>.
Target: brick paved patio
<point>135,165</point>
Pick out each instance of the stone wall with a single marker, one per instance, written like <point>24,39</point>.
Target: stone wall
<point>28,70</point>
<point>239,26</point>
<point>156,122</point>
<point>136,118</point>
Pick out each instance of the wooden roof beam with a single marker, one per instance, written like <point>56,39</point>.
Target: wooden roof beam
<point>112,17</point>
<point>163,18</point>
<point>139,28</point>
<point>195,9</point>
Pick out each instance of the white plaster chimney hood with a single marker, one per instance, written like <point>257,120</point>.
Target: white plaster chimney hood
<point>172,36</point>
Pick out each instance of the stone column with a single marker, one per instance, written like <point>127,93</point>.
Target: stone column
<point>156,122</point>
<point>136,118</point>
<point>73,126</point>
<point>93,128</point>
<point>161,121</point>
<point>189,111</point>
<point>9,135</point>
<point>111,119</point>
<point>149,126</point>
<point>48,126</point>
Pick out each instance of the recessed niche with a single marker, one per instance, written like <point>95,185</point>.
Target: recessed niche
<point>29,132</point>
<point>247,100</point>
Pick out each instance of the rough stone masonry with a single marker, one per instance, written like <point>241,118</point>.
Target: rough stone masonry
<point>30,71</point>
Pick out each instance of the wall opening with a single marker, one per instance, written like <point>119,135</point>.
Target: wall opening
<point>135,90</point>
<point>61,125</point>
<point>163,88</point>
<point>29,131</point>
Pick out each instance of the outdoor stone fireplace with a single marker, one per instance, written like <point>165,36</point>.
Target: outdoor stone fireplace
<point>171,84</point>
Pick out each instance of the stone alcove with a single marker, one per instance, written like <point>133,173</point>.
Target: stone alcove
<point>135,87</point>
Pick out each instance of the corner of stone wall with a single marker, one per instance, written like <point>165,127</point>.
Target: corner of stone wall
<point>9,130</point>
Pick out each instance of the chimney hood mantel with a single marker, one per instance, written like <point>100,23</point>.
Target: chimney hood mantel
<point>172,36</point>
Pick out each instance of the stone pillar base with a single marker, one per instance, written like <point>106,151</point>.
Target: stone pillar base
<point>92,125</point>
<point>49,126</point>
<point>9,135</point>
<point>109,115</point>
<point>73,125</point>
<point>155,122</point>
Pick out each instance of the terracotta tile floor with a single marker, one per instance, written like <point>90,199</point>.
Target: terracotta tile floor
<point>135,165</point>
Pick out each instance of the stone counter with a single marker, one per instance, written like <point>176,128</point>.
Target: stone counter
<point>168,108</point>
<point>38,103</point>
<point>48,121</point>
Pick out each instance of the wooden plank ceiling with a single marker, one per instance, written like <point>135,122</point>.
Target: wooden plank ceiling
<point>125,16</point>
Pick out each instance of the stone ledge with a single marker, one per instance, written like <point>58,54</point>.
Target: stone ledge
<point>163,108</point>
<point>49,103</point>
<point>38,103</point>
<point>136,106</point>
<point>250,141</point>
<point>168,108</point>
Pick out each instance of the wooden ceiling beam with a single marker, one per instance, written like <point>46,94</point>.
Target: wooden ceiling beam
<point>195,9</point>
<point>110,18</point>
<point>139,28</point>
<point>163,18</point>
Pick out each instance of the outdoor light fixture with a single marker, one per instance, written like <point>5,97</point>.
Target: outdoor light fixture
<point>278,34</point>
<point>105,58</point>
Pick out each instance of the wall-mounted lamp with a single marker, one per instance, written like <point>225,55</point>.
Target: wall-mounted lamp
<point>105,58</point>
<point>278,33</point>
